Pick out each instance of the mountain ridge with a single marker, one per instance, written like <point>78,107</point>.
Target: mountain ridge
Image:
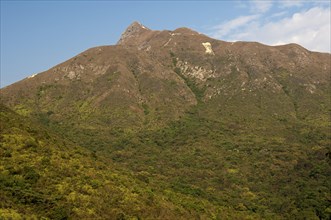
<point>156,63</point>
<point>138,24</point>
<point>206,124</point>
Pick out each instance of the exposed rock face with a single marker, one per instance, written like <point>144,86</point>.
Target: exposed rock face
<point>208,48</point>
<point>134,30</point>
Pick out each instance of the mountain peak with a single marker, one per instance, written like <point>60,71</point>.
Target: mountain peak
<point>134,29</point>
<point>137,24</point>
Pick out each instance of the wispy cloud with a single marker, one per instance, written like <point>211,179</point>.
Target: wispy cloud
<point>258,6</point>
<point>229,26</point>
<point>278,14</point>
<point>309,27</point>
<point>290,3</point>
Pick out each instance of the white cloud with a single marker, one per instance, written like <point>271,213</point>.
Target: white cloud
<point>290,3</point>
<point>278,14</point>
<point>309,28</point>
<point>258,6</point>
<point>228,26</point>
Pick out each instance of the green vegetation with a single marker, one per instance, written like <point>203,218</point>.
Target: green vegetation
<point>146,109</point>
<point>141,136</point>
<point>194,166</point>
<point>44,176</point>
<point>270,177</point>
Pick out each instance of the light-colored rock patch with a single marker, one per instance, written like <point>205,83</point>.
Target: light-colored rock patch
<point>208,48</point>
<point>310,87</point>
<point>32,76</point>
<point>72,75</point>
<point>167,42</point>
<point>197,72</point>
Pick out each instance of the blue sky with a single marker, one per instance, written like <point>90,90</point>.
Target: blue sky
<point>36,35</point>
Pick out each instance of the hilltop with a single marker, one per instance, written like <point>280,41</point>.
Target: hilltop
<point>216,129</point>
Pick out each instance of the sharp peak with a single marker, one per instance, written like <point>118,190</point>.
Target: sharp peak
<point>134,29</point>
<point>137,24</point>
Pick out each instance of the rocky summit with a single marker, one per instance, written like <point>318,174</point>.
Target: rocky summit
<point>132,31</point>
<point>170,125</point>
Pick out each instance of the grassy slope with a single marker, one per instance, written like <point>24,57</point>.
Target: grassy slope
<point>44,176</point>
<point>283,175</point>
<point>200,165</point>
<point>204,163</point>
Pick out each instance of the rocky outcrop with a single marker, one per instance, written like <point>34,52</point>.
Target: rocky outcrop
<point>135,29</point>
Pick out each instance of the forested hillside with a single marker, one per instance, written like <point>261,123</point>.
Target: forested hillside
<point>170,125</point>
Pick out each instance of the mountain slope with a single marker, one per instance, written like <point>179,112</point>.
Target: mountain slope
<point>152,77</point>
<point>43,176</point>
<point>216,129</point>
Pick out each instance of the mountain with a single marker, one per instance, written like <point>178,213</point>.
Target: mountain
<point>220,129</point>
